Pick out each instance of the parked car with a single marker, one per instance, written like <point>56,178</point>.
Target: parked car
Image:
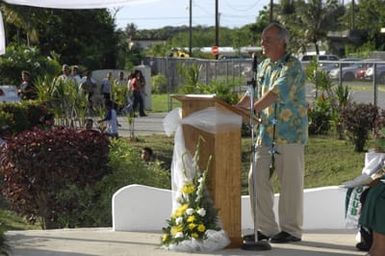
<point>360,73</point>
<point>348,69</point>
<point>327,66</point>
<point>380,73</point>
<point>8,93</point>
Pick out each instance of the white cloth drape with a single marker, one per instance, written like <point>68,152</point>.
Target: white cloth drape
<point>66,4</point>
<point>212,120</point>
<point>75,4</point>
<point>374,163</point>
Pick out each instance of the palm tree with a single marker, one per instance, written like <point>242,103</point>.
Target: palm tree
<point>311,20</point>
<point>22,18</point>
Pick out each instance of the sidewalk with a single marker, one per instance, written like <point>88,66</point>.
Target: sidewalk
<point>148,125</point>
<point>104,241</point>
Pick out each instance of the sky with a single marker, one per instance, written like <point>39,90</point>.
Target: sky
<point>154,14</point>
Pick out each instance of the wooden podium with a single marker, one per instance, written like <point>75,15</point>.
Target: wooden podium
<point>224,175</point>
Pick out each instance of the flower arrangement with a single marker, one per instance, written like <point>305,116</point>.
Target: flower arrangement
<point>195,216</point>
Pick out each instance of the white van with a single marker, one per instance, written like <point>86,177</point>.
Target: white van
<point>326,57</point>
<point>321,59</point>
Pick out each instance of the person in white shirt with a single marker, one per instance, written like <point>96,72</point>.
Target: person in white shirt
<point>75,75</point>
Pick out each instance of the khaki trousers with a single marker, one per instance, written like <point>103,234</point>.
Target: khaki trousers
<point>289,167</point>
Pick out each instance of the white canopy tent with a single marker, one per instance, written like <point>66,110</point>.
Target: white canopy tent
<point>67,4</point>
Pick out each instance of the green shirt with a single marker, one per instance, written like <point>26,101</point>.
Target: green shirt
<point>285,78</point>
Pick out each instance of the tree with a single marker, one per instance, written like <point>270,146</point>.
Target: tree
<point>311,20</point>
<point>19,22</point>
<point>84,37</point>
<point>370,17</point>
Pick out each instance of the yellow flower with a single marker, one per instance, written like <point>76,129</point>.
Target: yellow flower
<point>176,229</point>
<point>165,237</point>
<point>191,226</point>
<point>191,218</point>
<point>195,235</point>
<point>188,188</point>
<point>201,228</point>
<point>180,211</point>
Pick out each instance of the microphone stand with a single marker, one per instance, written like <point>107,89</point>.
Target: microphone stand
<point>254,245</point>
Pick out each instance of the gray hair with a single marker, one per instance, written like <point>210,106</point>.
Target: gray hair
<point>283,33</point>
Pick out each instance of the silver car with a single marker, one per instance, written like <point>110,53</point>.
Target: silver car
<point>8,93</point>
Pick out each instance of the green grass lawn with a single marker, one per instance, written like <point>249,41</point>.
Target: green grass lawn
<point>328,161</point>
<point>163,103</point>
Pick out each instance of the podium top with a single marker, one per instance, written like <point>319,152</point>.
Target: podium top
<point>245,114</point>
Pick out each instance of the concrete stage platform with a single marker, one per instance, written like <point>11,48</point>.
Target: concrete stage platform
<point>104,241</point>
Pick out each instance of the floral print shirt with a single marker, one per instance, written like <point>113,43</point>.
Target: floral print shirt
<point>285,78</point>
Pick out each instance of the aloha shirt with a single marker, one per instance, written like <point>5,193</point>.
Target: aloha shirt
<point>285,78</point>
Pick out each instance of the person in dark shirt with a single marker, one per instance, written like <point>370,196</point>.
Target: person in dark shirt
<point>26,90</point>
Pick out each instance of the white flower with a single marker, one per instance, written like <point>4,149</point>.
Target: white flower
<point>200,179</point>
<point>201,212</point>
<point>189,211</point>
<point>179,235</point>
<point>179,220</point>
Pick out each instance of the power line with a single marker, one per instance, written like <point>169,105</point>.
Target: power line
<point>244,8</point>
<point>162,18</point>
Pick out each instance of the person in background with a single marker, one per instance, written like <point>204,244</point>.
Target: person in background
<point>88,85</point>
<point>111,119</point>
<point>75,75</point>
<point>5,134</point>
<point>121,81</point>
<point>281,140</point>
<point>65,76</point>
<point>89,124</point>
<point>26,90</point>
<point>137,84</point>
<point>107,87</point>
<point>146,154</point>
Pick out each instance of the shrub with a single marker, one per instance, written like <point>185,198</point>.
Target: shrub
<point>320,116</point>
<point>49,174</point>
<point>190,77</point>
<point>159,84</point>
<point>358,120</point>
<point>18,58</point>
<point>126,168</point>
<point>6,118</point>
<point>22,116</point>
<point>328,104</point>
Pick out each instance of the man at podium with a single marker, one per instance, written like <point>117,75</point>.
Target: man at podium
<point>282,134</point>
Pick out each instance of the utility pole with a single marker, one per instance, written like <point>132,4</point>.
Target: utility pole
<point>190,31</point>
<point>271,10</point>
<point>216,26</point>
<point>353,25</point>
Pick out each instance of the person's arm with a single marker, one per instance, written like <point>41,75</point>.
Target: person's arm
<point>244,102</point>
<point>107,117</point>
<point>266,100</point>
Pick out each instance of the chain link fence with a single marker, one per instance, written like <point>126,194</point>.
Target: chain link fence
<point>229,70</point>
<point>369,89</point>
